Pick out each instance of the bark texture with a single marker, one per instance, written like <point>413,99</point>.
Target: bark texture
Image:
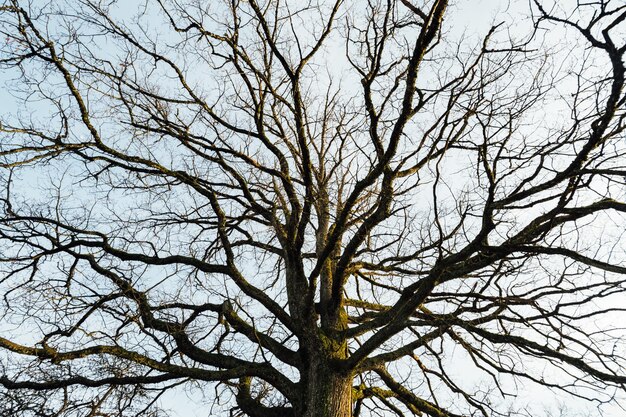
<point>329,394</point>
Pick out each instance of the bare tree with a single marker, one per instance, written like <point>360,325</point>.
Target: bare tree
<point>318,208</point>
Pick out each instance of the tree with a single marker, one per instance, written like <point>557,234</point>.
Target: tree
<point>310,208</point>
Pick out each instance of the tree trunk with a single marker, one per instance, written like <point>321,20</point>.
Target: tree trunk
<point>329,393</point>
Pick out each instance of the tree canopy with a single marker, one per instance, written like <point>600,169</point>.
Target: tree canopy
<point>310,208</point>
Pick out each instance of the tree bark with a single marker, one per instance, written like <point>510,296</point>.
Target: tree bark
<point>329,392</point>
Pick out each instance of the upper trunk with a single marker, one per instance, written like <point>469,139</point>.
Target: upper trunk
<point>329,392</point>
